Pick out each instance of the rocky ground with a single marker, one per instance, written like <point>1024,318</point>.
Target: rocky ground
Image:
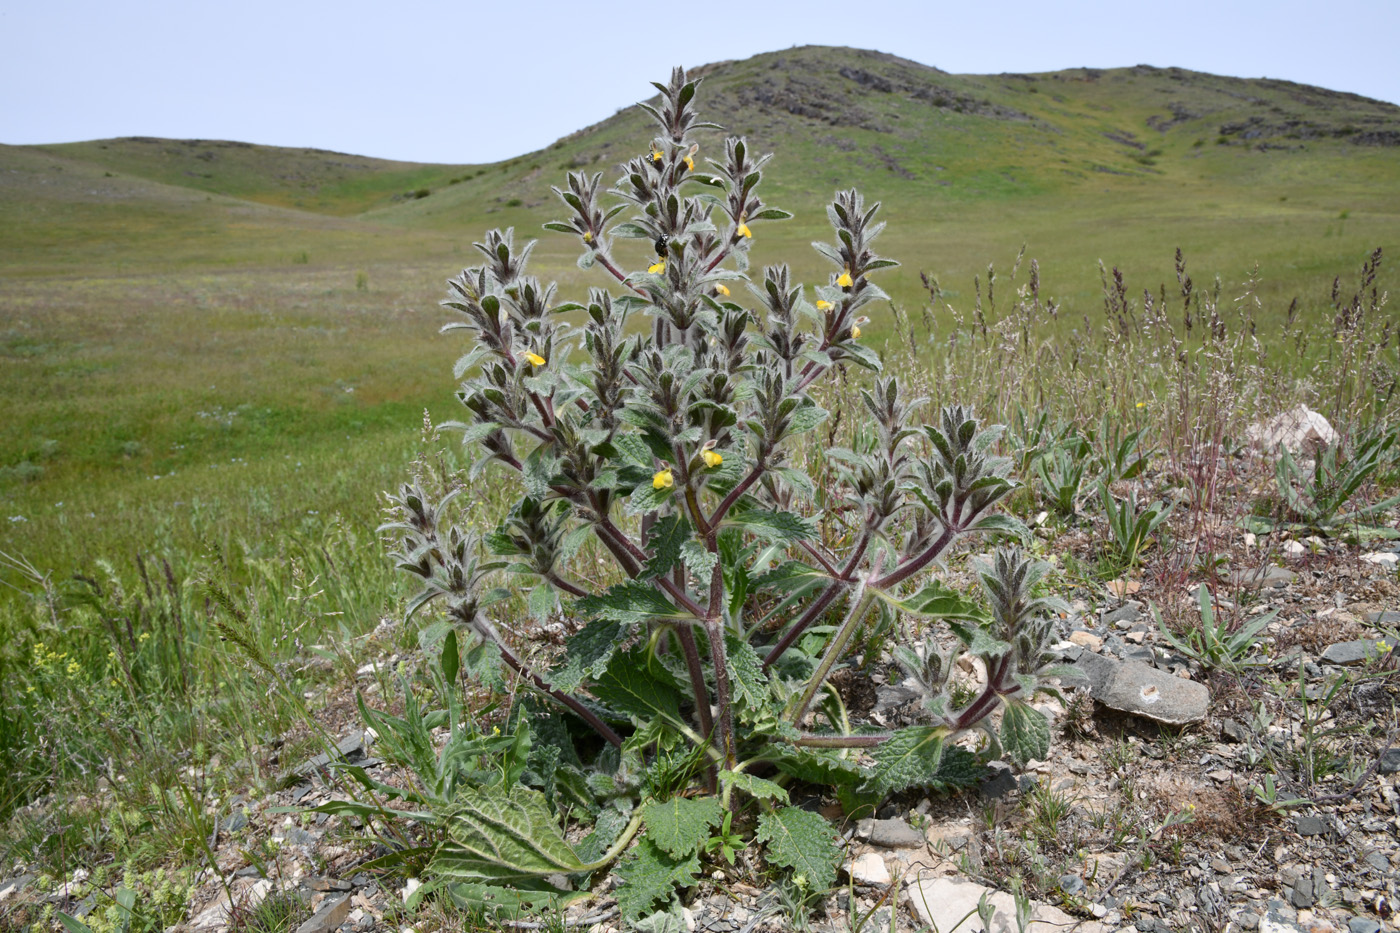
<point>1166,803</point>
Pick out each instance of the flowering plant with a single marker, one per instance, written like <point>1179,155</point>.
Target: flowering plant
<point>672,447</point>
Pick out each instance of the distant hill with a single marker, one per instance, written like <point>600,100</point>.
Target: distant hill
<point>1083,164</point>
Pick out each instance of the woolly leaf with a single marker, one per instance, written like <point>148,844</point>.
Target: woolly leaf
<point>678,826</point>
<point>502,835</point>
<point>630,602</point>
<point>589,653</point>
<point>651,875</point>
<point>774,526</point>
<point>1025,732</point>
<point>817,767</point>
<point>746,679</point>
<point>910,758</point>
<point>665,541</point>
<point>512,901</point>
<point>937,601</point>
<point>698,560</point>
<point>627,686</point>
<point>804,842</point>
<point>754,786</point>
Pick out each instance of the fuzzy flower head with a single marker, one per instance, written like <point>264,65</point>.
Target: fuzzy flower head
<point>663,480</point>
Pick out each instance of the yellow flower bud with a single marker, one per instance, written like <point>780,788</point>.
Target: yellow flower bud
<point>657,267</point>
<point>743,230</point>
<point>823,305</point>
<point>588,236</point>
<point>689,164</point>
<point>855,332</point>
<point>535,359</point>
<point>721,290</point>
<point>656,155</point>
<point>845,278</point>
<point>712,458</point>
<point>663,480</point>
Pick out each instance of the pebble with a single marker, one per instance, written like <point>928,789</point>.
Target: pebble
<point>869,868</point>
<point>895,834</point>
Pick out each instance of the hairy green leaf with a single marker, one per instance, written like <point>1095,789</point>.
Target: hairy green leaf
<point>502,835</point>
<point>628,686</point>
<point>753,786</point>
<point>910,758</point>
<point>804,842</point>
<point>678,826</point>
<point>651,875</point>
<point>630,602</point>
<point>1025,732</point>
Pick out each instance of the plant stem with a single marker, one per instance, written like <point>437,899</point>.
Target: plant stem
<point>860,604</point>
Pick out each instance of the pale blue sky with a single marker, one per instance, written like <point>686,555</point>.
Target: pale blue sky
<point>474,82</point>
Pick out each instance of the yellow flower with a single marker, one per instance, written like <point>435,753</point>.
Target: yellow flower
<point>711,458</point>
<point>824,305</point>
<point>535,359</point>
<point>662,480</point>
<point>845,278</point>
<point>588,236</point>
<point>74,667</point>
<point>720,289</point>
<point>855,332</point>
<point>743,228</point>
<point>689,163</point>
<point>144,637</point>
<point>656,155</point>
<point>657,267</point>
<point>1141,404</point>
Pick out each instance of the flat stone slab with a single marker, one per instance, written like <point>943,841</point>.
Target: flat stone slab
<point>949,905</point>
<point>895,834</point>
<point>1267,576</point>
<point>1133,687</point>
<point>1351,652</point>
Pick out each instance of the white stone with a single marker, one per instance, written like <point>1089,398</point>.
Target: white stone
<point>413,884</point>
<point>868,869</point>
<point>1300,430</point>
<point>1293,548</point>
<point>949,905</point>
<point>1382,557</point>
<point>689,917</point>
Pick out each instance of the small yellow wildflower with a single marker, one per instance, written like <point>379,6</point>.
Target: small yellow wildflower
<point>824,305</point>
<point>495,730</point>
<point>73,668</point>
<point>743,228</point>
<point>656,155</point>
<point>588,236</point>
<point>657,267</point>
<point>663,480</point>
<point>535,359</point>
<point>720,289</point>
<point>711,458</point>
<point>845,278</point>
<point>1141,404</point>
<point>689,163</point>
<point>855,332</point>
<point>144,637</point>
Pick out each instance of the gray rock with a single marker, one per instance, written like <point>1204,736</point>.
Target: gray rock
<point>1363,925</point>
<point>1303,896</point>
<point>895,834</point>
<point>1377,860</point>
<point>331,915</point>
<point>350,748</point>
<point>1385,617</point>
<point>1234,731</point>
<point>887,698</point>
<point>1071,884</point>
<point>14,885</point>
<point>1248,920</point>
<point>1139,653</point>
<point>999,781</point>
<point>1278,920</point>
<point>1263,577</point>
<point>1350,652</point>
<point>1133,687</point>
<point>1390,761</point>
<point>234,821</point>
<point>1309,826</point>
<point>1124,613</point>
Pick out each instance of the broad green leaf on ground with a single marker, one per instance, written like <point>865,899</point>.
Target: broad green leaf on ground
<point>910,758</point>
<point>502,835</point>
<point>627,686</point>
<point>959,768</point>
<point>1025,732</point>
<point>817,767</point>
<point>630,602</point>
<point>518,898</point>
<point>678,826</point>
<point>651,875</point>
<point>804,842</point>
<point>589,653</point>
<point>753,786</point>
<point>606,828</point>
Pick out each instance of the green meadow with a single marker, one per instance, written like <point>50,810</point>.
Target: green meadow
<point>218,354</point>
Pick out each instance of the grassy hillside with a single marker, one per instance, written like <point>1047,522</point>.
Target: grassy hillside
<point>172,312</point>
